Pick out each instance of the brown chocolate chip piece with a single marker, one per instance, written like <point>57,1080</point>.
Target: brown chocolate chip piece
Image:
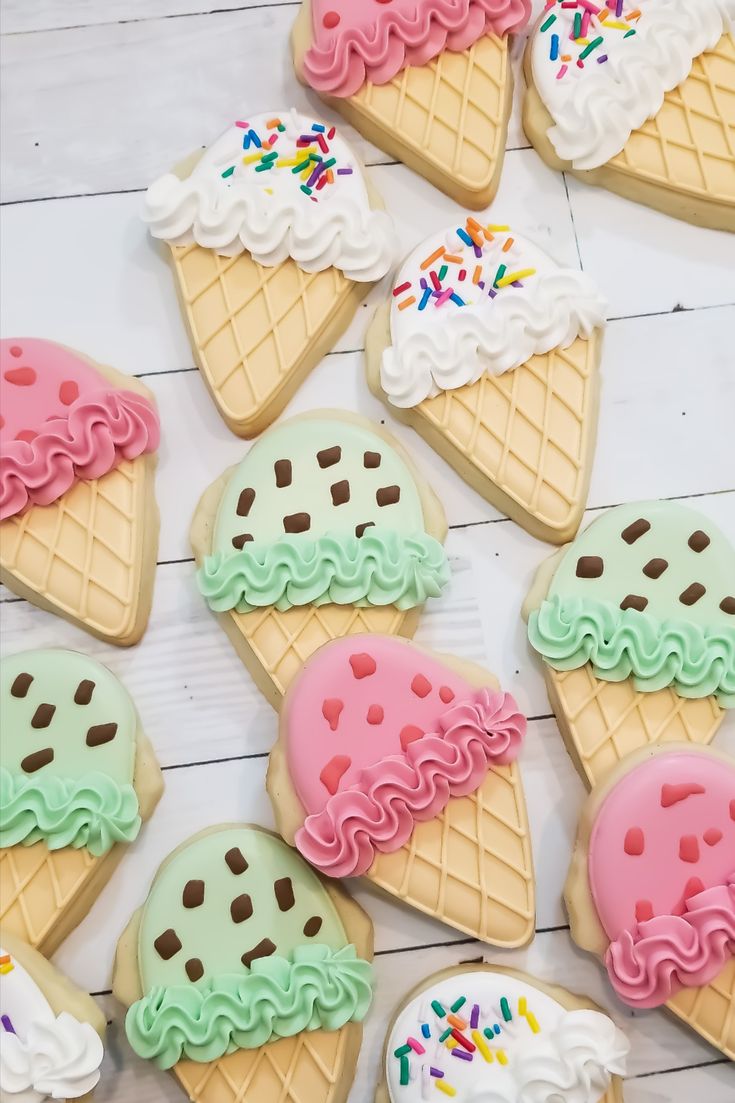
<point>283,889</point>
<point>236,860</point>
<point>360,529</point>
<point>43,716</point>
<point>371,459</point>
<point>636,530</point>
<point>728,605</point>
<point>329,456</point>
<point>194,969</point>
<point>590,566</point>
<point>21,685</point>
<point>340,492</point>
<point>313,926</point>
<point>297,522</point>
<point>388,495</point>
<point>654,568</point>
<point>168,944</point>
<point>100,734</point>
<point>193,894</point>
<point>84,692</point>
<point>692,594</point>
<point>698,541</point>
<point>241,908</point>
<point>264,949</point>
<point>634,601</point>
<point>284,473</point>
<point>245,501</point>
<point>37,760</point>
<point>240,541</point>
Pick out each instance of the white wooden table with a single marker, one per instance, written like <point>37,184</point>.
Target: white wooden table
<point>99,97</point>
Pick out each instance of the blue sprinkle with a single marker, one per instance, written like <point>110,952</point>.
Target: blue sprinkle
<point>255,139</point>
<point>496,1028</point>
<point>554,47</point>
<point>318,128</point>
<point>456,299</point>
<point>425,298</point>
<point>465,237</point>
<point>425,1030</point>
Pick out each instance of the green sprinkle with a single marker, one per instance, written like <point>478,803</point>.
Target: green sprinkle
<point>462,999</point>
<point>438,1008</point>
<point>404,1071</point>
<point>489,1033</point>
<point>499,274</point>
<point>545,26</point>
<point>628,33</point>
<point>588,49</point>
<point>328,164</point>
<point>443,1037</point>
<point>272,156</point>
<point>281,128</point>
<point>315,156</point>
<point>300,168</point>
<point>305,190</point>
<point>263,167</point>
<point>228,172</point>
<point>578,25</point>
<point>504,1007</point>
<point>442,274</point>
<point>401,1051</point>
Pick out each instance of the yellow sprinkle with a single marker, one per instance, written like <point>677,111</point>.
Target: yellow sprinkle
<point>497,229</point>
<point>252,157</point>
<point>479,1041</point>
<point>506,280</point>
<point>533,1022</point>
<point>501,1056</point>
<point>446,1088</point>
<point>269,191</point>
<point>6,968</point>
<point>288,162</point>
<point>522,1006</point>
<point>451,1043</point>
<point>616,25</point>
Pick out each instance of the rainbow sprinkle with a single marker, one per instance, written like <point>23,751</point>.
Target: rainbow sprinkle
<point>589,27</point>
<point>6,964</point>
<point>7,1025</point>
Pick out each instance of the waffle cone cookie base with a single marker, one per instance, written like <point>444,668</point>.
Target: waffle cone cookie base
<point>711,1010</point>
<point>446,120</point>
<point>568,1001</point>
<point>602,722</point>
<point>524,440</point>
<point>45,894</point>
<point>682,161</point>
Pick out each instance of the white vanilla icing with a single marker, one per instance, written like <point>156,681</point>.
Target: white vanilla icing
<point>440,343</point>
<point>232,202</point>
<point>601,87</point>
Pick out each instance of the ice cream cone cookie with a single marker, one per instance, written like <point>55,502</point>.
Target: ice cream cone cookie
<point>429,81</point>
<point>78,517</point>
<point>324,530</point>
<point>651,889</point>
<point>50,1032</point>
<point>77,778</point>
<point>400,764</point>
<point>276,236</point>
<point>477,1032</point>
<point>638,98</point>
<point>245,975</point>
<point>635,623</point>
<point>490,351</point>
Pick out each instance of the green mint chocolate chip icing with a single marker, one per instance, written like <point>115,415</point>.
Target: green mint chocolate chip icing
<point>647,591</point>
<point>68,758</point>
<point>240,943</point>
<point>321,511</point>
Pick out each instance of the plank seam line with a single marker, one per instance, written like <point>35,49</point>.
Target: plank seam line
<point>154,18</point>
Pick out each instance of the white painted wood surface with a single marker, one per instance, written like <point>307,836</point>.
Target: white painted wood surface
<point>97,98</point>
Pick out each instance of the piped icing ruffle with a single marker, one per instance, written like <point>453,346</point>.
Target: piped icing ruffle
<point>94,812</point>
<point>393,38</point>
<point>697,662</point>
<point>320,989</point>
<point>649,965</point>
<point>98,433</point>
<point>379,812</point>
<point>381,567</point>
<point>575,1062</point>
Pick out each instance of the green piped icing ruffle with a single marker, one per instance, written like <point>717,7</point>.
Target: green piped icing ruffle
<point>693,659</point>
<point>320,989</point>
<point>93,811</point>
<point>382,567</point>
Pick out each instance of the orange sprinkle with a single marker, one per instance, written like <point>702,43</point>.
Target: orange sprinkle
<point>330,176</point>
<point>476,236</point>
<point>452,259</point>
<point>633,14</point>
<point>434,256</point>
<point>508,245</point>
<point>488,235</point>
<point>566,57</point>
<point>407,302</point>
<point>478,274</point>
<point>473,224</point>
<point>455,1020</point>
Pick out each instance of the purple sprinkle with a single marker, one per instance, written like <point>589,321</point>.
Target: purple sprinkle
<point>492,292</point>
<point>7,1024</point>
<point>601,59</point>
<point>436,1072</point>
<point>475,1017</point>
<point>423,284</point>
<point>618,8</point>
<point>318,170</point>
<point>478,250</point>
<point>307,138</point>
<point>481,285</point>
<point>461,1054</point>
<point>516,283</point>
<point>344,172</point>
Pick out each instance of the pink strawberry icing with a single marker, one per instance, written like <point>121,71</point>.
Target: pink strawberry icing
<point>61,421</point>
<point>379,737</point>
<point>662,875</point>
<point>354,41</point>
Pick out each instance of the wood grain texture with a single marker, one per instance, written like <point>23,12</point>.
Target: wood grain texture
<point>121,91</point>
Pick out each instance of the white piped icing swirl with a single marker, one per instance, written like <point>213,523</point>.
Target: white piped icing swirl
<point>233,202</point>
<point>596,104</point>
<point>58,1059</point>
<point>445,345</point>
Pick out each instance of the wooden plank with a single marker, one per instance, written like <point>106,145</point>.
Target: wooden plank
<point>43,15</point>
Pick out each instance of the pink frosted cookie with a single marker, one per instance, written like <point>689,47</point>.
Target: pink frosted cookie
<point>79,522</point>
<point>426,80</point>
<point>651,889</point>
<point>381,743</point>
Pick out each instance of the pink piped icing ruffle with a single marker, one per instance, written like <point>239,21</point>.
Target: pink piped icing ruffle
<point>379,811</point>
<point>371,43</point>
<point>649,965</point>
<point>96,435</point>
